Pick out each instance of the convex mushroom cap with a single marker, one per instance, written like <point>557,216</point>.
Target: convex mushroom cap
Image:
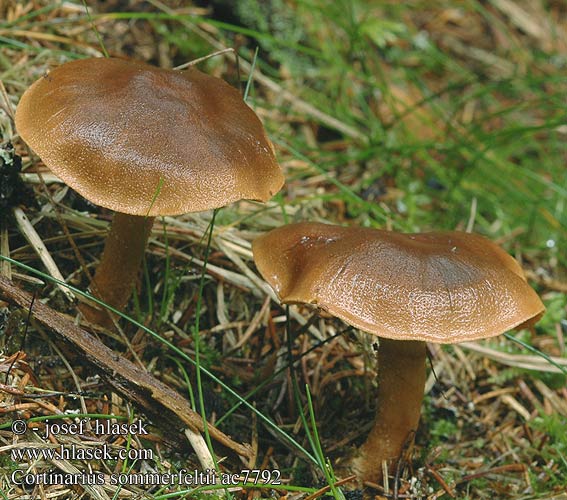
<point>119,132</point>
<point>406,288</point>
<point>144,141</point>
<point>443,287</point>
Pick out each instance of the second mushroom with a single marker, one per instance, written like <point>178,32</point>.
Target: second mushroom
<point>145,141</point>
<point>408,289</point>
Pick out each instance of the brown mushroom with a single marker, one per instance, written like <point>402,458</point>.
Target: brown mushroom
<point>408,289</point>
<point>145,141</point>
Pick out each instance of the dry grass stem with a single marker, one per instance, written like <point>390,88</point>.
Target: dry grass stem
<point>41,250</point>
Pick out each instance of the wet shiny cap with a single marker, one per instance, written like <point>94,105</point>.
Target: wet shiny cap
<point>442,287</point>
<point>129,136</point>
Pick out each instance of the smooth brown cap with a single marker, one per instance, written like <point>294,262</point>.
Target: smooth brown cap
<point>443,287</point>
<point>119,132</point>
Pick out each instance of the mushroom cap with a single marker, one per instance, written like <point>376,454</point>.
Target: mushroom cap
<point>129,136</point>
<point>442,287</point>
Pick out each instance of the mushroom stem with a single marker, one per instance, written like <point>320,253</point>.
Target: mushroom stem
<point>401,381</point>
<point>119,266</point>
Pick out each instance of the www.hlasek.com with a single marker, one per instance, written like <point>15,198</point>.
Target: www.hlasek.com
<point>74,452</point>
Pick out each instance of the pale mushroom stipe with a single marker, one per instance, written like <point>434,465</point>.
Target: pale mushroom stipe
<point>408,289</point>
<point>145,141</point>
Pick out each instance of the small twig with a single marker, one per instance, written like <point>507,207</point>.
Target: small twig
<point>324,490</point>
<point>385,477</point>
<point>46,178</point>
<point>516,406</point>
<point>5,410</point>
<point>204,58</point>
<point>441,481</point>
<point>494,470</point>
<point>201,450</point>
<point>37,244</point>
<point>11,390</point>
<point>518,360</point>
<point>472,216</point>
